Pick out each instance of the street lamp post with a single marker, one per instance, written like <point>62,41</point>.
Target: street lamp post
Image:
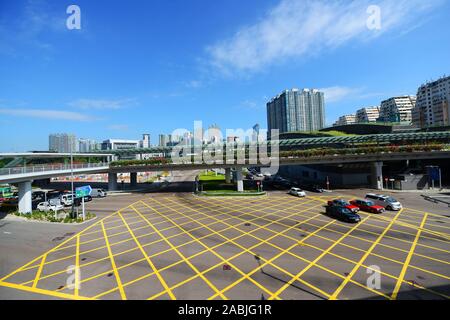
<point>71,178</point>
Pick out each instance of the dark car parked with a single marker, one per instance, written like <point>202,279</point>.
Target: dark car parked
<point>343,214</point>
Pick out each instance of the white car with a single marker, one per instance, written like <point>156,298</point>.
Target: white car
<point>387,202</point>
<point>297,192</point>
<point>45,206</point>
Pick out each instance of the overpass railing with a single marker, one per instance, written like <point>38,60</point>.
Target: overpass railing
<point>50,167</point>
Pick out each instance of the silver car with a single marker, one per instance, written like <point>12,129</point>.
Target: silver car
<point>387,202</point>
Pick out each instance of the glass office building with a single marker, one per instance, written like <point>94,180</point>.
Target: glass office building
<point>297,110</point>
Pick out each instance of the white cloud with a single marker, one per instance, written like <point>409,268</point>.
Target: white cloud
<point>46,114</point>
<point>338,93</point>
<point>300,28</point>
<point>102,103</point>
<point>194,84</point>
<point>118,127</point>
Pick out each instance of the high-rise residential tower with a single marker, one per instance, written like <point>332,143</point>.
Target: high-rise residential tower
<point>369,114</point>
<point>297,110</point>
<point>63,143</point>
<point>397,109</point>
<point>432,106</point>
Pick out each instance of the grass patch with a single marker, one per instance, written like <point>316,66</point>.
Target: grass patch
<point>49,216</point>
<point>211,176</point>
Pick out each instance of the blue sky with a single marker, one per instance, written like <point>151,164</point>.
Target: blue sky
<point>154,66</point>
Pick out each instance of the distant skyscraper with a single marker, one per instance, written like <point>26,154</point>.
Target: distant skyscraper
<point>63,143</point>
<point>296,110</point>
<point>145,141</point>
<point>432,106</point>
<point>87,145</point>
<point>162,140</point>
<point>397,109</point>
<point>369,114</point>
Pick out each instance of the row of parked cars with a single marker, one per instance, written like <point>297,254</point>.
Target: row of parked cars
<point>373,203</point>
<point>67,199</point>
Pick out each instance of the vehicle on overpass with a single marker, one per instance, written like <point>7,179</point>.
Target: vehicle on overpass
<point>343,203</point>
<point>386,202</point>
<point>343,214</point>
<point>368,206</point>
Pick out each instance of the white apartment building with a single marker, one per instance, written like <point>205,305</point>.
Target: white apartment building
<point>345,120</point>
<point>369,114</point>
<point>397,109</point>
<point>432,106</point>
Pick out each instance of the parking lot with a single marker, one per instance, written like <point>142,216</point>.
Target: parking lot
<point>272,247</point>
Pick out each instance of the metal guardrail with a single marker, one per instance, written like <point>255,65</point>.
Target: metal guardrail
<point>436,199</point>
<point>47,168</point>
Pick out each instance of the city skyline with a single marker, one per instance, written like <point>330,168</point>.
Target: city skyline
<point>163,76</point>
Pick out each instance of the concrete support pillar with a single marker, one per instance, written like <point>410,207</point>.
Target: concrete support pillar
<point>133,179</point>
<point>25,202</point>
<point>112,181</point>
<point>239,180</point>
<point>228,175</point>
<point>377,175</point>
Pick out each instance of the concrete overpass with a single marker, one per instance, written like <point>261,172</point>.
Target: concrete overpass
<point>23,176</point>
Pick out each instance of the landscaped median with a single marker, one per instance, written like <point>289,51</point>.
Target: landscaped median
<point>231,193</point>
<point>213,184</point>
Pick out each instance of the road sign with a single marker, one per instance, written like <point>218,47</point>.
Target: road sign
<point>83,191</point>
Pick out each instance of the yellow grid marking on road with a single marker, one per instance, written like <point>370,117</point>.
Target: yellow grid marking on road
<point>313,263</point>
<point>200,253</point>
<point>113,263</point>
<point>319,249</point>
<point>360,262</point>
<point>403,232</point>
<point>155,270</point>
<point>240,205</point>
<point>222,258</point>
<point>148,244</point>
<point>178,251</point>
<point>265,241</point>
<point>331,240</point>
<point>408,260</point>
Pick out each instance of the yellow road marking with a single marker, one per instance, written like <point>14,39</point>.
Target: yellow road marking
<point>282,251</point>
<point>195,255</point>
<point>38,273</point>
<point>42,291</point>
<point>155,270</point>
<point>360,262</point>
<point>77,266</point>
<point>407,261</point>
<point>313,263</point>
<point>156,241</point>
<point>222,258</point>
<point>354,262</point>
<point>178,251</point>
<point>113,263</point>
<point>123,241</point>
